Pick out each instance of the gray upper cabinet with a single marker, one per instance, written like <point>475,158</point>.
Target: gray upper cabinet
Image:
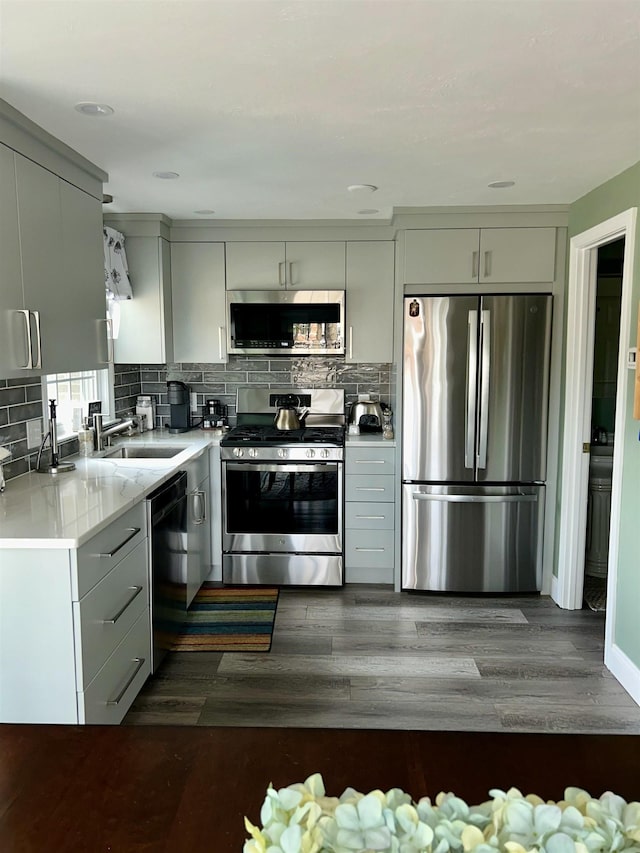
<point>54,302</point>
<point>146,327</point>
<point>272,265</point>
<point>199,304</point>
<point>369,301</point>
<point>479,255</point>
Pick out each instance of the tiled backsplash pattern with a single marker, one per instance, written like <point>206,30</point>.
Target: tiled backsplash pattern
<point>221,381</point>
<point>21,401</point>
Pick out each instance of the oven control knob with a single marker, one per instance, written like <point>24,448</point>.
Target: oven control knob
<point>311,454</point>
<point>282,453</point>
<point>253,452</point>
<point>325,454</point>
<point>238,451</point>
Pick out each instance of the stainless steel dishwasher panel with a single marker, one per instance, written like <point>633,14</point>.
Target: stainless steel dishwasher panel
<point>471,538</point>
<point>167,524</point>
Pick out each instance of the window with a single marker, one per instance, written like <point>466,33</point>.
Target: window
<point>73,392</point>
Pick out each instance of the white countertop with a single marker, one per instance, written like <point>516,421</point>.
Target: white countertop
<point>65,510</point>
<point>369,438</point>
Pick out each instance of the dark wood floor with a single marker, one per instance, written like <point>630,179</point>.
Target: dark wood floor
<point>367,658</point>
<point>131,789</point>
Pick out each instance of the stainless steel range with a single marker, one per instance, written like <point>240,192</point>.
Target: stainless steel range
<point>282,489</point>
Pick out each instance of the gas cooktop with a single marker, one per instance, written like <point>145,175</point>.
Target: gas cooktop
<point>269,436</point>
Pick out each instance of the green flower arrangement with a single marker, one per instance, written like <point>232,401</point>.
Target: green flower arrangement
<point>302,819</point>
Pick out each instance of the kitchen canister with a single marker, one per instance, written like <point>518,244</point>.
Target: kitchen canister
<point>146,411</point>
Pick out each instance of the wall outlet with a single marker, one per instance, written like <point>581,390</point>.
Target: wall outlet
<point>34,432</point>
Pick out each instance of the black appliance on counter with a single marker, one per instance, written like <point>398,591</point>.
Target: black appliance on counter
<point>178,399</point>
<point>282,491</point>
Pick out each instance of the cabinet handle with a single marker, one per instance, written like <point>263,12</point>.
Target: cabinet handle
<point>487,265</point>
<point>199,506</point>
<point>281,278</point>
<point>475,265</point>
<point>36,317</point>
<point>133,531</point>
<point>27,322</point>
<point>291,282</point>
<point>372,517</point>
<point>139,664</point>
<point>369,461</point>
<point>376,550</point>
<point>369,489</point>
<point>110,345</point>
<point>351,342</point>
<point>220,343</point>
<point>114,619</point>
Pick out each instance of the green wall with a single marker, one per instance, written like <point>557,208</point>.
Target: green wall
<point>613,197</point>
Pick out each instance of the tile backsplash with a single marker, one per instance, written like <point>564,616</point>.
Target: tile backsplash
<point>221,381</point>
<point>20,402</point>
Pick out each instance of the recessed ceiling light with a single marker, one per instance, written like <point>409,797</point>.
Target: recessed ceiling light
<point>500,185</point>
<point>166,176</point>
<point>204,212</point>
<point>362,188</point>
<point>90,108</point>
<point>367,211</point>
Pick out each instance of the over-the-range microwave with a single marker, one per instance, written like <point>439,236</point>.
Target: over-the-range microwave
<point>286,322</point>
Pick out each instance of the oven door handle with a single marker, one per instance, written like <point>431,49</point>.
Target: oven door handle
<point>293,468</point>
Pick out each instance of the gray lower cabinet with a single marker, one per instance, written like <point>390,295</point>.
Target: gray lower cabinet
<point>52,299</point>
<point>76,636</point>
<point>369,513</point>
<point>199,302</point>
<point>198,524</point>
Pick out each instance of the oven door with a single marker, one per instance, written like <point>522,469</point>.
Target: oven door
<point>282,507</point>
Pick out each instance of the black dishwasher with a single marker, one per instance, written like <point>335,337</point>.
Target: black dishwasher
<point>167,523</point>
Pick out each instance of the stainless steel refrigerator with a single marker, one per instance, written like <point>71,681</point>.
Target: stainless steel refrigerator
<point>475,390</point>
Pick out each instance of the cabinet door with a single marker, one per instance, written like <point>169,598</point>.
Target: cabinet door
<point>199,305</point>
<point>255,266</point>
<point>511,255</point>
<point>315,266</point>
<point>369,303</point>
<point>43,263</point>
<point>198,525</point>
<point>146,333</point>
<point>13,325</point>
<point>83,325</point>
<point>442,256</point>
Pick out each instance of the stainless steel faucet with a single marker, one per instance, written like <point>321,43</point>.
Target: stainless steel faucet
<point>102,435</point>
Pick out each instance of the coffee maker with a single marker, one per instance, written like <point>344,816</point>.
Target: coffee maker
<point>178,398</point>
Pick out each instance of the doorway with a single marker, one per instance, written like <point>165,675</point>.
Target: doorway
<point>567,589</point>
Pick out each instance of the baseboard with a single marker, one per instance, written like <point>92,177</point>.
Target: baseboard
<point>624,670</point>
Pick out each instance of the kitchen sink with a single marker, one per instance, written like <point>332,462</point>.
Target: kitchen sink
<point>146,451</point>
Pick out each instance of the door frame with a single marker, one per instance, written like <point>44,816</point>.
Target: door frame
<point>581,306</point>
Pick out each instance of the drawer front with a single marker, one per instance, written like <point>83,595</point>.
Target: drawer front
<point>106,549</point>
<point>371,460</point>
<point>369,549</point>
<point>109,696</point>
<point>105,615</point>
<point>361,515</point>
<point>363,488</point>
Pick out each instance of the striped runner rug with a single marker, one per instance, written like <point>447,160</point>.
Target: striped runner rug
<point>229,620</point>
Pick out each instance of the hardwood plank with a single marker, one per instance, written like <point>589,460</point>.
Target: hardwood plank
<point>347,665</point>
<point>336,627</point>
<point>418,613</point>
<point>536,716</point>
<point>292,643</point>
<point>538,669</point>
<point>470,647</point>
<point>174,710</point>
<point>255,687</point>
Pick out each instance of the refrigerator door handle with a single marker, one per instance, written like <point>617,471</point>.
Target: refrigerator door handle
<point>485,375</point>
<point>475,499</point>
<point>470,408</point>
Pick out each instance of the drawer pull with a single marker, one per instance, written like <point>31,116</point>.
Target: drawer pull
<point>370,488</point>
<point>139,662</point>
<point>372,517</point>
<point>133,531</point>
<point>369,461</point>
<point>376,550</point>
<point>114,619</point>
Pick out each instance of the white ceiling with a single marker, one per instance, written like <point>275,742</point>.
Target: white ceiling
<point>270,109</point>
